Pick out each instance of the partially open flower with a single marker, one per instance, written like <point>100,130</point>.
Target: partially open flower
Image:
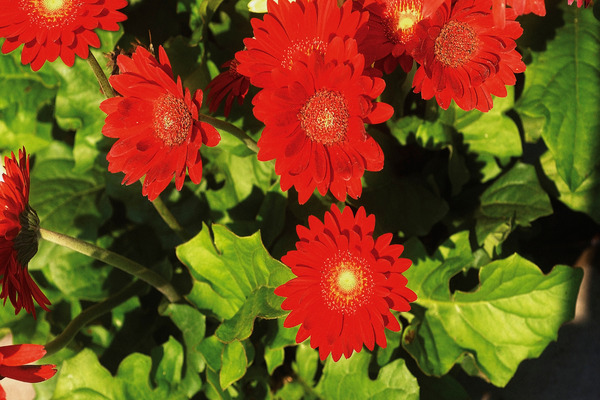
<point>346,283</point>
<point>19,233</point>
<point>228,85</point>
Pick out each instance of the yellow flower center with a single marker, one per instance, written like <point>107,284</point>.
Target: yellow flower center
<point>53,5</point>
<point>455,44</point>
<point>324,117</point>
<point>172,120</point>
<point>49,14</point>
<point>400,19</point>
<point>346,282</point>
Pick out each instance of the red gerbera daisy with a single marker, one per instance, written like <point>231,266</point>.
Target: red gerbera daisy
<point>12,364</point>
<point>293,30</point>
<point>53,28</point>
<point>391,26</point>
<point>346,283</point>
<point>464,57</point>
<point>314,123</point>
<point>156,122</point>
<point>19,231</point>
<point>230,84</point>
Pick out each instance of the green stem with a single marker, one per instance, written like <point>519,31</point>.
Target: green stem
<point>92,313</point>
<point>232,129</point>
<point>114,259</point>
<point>102,80</point>
<point>169,218</point>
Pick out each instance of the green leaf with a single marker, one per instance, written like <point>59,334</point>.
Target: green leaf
<point>516,198</point>
<point>349,379</point>
<point>493,136</point>
<point>234,363</point>
<point>584,198</point>
<point>192,324</point>
<point>82,377</point>
<point>496,326</point>
<point>562,86</point>
<point>307,362</point>
<point>234,278</point>
<point>274,344</point>
<point>26,98</point>
<point>168,371</point>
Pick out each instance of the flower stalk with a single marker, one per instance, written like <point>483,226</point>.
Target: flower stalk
<point>115,260</point>
<point>170,219</point>
<point>105,86</point>
<point>92,313</point>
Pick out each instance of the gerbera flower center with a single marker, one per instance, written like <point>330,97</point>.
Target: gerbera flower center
<point>346,282</point>
<point>324,117</point>
<point>172,120</point>
<point>51,13</point>
<point>303,47</point>
<point>455,44</point>
<point>400,18</point>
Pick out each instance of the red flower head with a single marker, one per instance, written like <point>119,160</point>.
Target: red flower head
<point>53,28</point>
<point>391,27</point>
<point>292,31</point>
<point>230,84</point>
<point>581,2</point>
<point>314,123</point>
<point>156,122</point>
<point>12,364</point>
<point>19,228</point>
<point>520,7</point>
<point>346,283</point>
<point>464,57</point>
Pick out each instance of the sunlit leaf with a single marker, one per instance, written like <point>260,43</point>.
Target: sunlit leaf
<point>349,379</point>
<point>234,278</point>
<point>513,315</point>
<point>562,86</point>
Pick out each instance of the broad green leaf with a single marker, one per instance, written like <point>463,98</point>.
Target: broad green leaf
<point>192,325</point>
<point>584,198</point>
<point>234,278</point>
<point>274,344</point>
<point>348,379</point>
<point>78,101</point>
<point>234,363</point>
<point>493,136</point>
<point>513,314</point>
<point>82,377</point>
<point>170,363</point>
<point>307,362</point>
<point>516,198</point>
<point>562,86</point>
<point>211,349</point>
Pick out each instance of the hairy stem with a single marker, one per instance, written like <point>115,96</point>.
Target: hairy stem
<point>102,80</point>
<point>116,260</point>
<point>170,219</point>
